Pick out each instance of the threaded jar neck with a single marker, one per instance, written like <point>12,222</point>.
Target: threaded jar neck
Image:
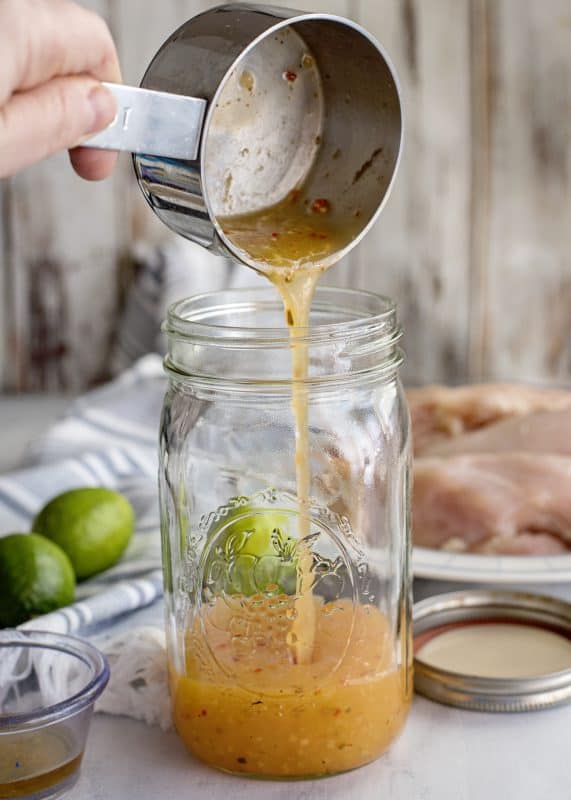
<point>241,336</point>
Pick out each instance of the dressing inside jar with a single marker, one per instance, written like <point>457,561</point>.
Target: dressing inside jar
<point>281,675</point>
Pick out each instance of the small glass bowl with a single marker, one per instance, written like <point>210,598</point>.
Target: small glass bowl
<point>48,687</point>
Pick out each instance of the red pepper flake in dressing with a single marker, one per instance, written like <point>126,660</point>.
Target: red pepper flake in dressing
<point>203,712</point>
<point>289,76</point>
<point>321,206</point>
<point>259,669</point>
<point>275,235</point>
<point>337,712</point>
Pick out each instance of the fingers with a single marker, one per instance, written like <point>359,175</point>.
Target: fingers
<point>43,108</point>
<point>93,165</point>
<point>43,39</point>
<point>55,116</point>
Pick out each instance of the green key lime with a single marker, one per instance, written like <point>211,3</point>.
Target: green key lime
<point>253,555</point>
<point>93,526</point>
<point>36,576</point>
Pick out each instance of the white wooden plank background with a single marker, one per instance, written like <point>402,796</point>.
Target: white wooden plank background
<point>529,262</point>
<point>474,244</point>
<point>418,252</point>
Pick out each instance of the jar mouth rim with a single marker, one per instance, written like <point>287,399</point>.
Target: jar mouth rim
<point>191,318</point>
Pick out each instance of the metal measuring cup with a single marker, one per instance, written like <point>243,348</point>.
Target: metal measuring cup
<point>273,100</point>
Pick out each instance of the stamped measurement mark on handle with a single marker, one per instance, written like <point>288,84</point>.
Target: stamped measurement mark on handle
<point>126,115</point>
<point>153,123</point>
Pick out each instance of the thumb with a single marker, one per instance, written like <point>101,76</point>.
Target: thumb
<point>55,116</point>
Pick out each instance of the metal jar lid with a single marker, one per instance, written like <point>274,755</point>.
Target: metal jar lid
<point>491,694</point>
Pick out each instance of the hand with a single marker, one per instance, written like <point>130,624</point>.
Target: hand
<point>53,55</point>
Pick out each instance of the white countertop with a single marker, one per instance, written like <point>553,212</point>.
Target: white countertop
<point>443,753</point>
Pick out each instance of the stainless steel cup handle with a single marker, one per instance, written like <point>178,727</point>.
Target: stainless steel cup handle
<point>152,123</point>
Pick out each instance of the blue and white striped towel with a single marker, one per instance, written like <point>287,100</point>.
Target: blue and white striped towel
<point>108,438</point>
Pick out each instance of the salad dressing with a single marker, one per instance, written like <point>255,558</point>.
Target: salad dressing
<point>285,685</point>
<point>293,241</point>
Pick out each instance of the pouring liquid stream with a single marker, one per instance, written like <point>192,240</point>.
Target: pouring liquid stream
<point>327,695</point>
<point>293,241</point>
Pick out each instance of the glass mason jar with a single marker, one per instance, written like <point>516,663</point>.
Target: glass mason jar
<point>250,571</point>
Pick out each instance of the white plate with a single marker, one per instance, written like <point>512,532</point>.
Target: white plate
<point>441,565</point>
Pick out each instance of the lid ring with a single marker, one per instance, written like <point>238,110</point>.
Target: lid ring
<point>485,693</point>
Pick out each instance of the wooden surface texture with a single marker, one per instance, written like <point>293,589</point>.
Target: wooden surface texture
<point>474,244</point>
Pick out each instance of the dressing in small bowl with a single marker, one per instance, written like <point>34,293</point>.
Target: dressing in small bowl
<point>48,687</point>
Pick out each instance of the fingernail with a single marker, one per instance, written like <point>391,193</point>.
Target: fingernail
<point>103,108</point>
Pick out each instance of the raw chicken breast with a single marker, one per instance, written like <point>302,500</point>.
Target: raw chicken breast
<point>538,432</point>
<point>441,412</point>
<point>510,503</point>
